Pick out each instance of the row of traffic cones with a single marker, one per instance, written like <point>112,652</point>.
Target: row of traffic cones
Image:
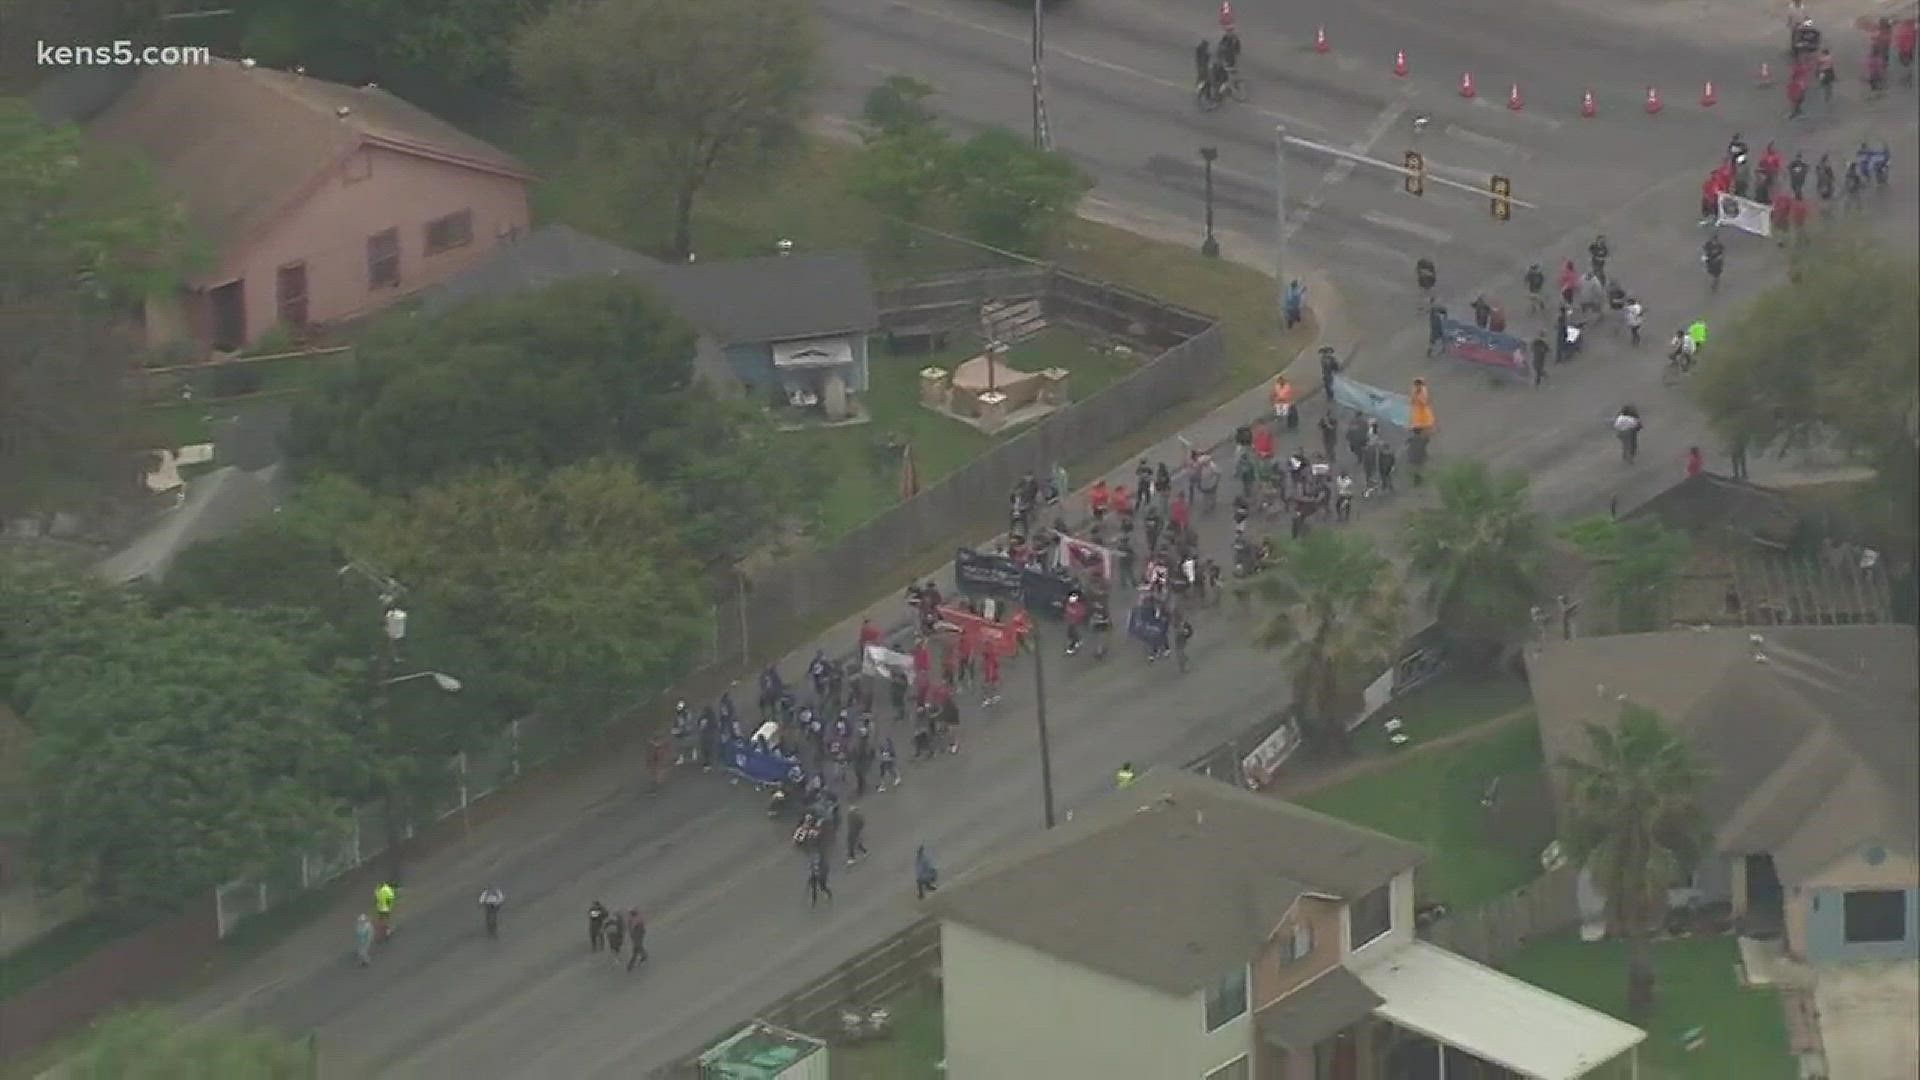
<point>1588,107</point>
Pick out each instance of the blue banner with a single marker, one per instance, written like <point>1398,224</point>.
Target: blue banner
<point>1383,405</point>
<point>1468,342</point>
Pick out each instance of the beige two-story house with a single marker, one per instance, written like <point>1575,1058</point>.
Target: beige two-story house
<point>315,202</point>
<point>1181,928</point>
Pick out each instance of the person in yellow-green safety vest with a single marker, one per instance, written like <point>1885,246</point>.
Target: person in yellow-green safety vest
<point>383,897</point>
<point>1124,777</point>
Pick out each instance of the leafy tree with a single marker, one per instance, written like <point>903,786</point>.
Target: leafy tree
<point>1828,359</point>
<point>77,213</point>
<point>184,750</point>
<point>904,169</point>
<point>898,104</point>
<point>714,86</point>
<point>1480,550</point>
<point>66,414</point>
<point>1638,561</point>
<point>536,380</point>
<point>544,380</point>
<point>153,1044</point>
<point>1634,822</point>
<point>462,43</point>
<point>573,583</point>
<point>54,612</point>
<point>1336,608</point>
<point>1011,194</point>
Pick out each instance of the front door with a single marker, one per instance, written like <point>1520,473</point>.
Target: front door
<point>290,296</point>
<point>227,306</point>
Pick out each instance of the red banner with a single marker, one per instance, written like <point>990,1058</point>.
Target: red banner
<point>1002,637</point>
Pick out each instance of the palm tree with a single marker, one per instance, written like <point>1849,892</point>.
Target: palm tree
<point>1337,618</point>
<point>1480,551</point>
<point>1634,822</point>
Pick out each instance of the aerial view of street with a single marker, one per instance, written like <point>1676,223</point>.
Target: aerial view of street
<point>1434,484</point>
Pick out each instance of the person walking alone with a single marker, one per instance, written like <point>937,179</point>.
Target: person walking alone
<point>817,880</point>
<point>926,878</point>
<point>636,938</point>
<point>384,896</point>
<point>491,901</point>
<point>363,940</point>
<point>856,834</point>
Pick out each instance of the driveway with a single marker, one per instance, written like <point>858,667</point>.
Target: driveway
<point>1870,1020</point>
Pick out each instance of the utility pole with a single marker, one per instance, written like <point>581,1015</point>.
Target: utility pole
<point>1280,221</point>
<point>1040,713</point>
<point>1042,138</point>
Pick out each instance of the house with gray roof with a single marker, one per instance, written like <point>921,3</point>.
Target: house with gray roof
<point>1812,738</point>
<point>1180,927</point>
<point>789,330</point>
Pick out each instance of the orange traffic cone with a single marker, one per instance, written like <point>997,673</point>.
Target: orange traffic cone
<point>1513,98</point>
<point>1653,101</point>
<point>1320,41</point>
<point>1400,63</point>
<point>1587,108</point>
<point>1765,77</point>
<point>1466,85</point>
<point>1707,96</point>
<point>1226,14</point>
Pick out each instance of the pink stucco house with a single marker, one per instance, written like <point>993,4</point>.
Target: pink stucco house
<point>319,202</point>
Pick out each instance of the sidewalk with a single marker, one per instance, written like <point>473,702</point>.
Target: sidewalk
<point>713,875</point>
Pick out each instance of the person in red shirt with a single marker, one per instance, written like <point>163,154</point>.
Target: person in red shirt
<point>1569,281</point>
<point>1097,499</point>
<point>1710,192</point>
<point>1179,515</point>
<point>1904,37</point>
<point>869,635</point>
<point>1075,616</point>
<point>1695,462</point>
<point>1797,214</point>
<point>1796,94</point>
<point>1782,213</point>
<point>1262,442</point>
<point>1120,500</point>
<point>990,674</point>
<point>1770,164</point>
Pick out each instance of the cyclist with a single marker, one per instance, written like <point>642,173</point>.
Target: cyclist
<point>1222,80</point>
<point>1229,56</point>
<point>1203,65</point>
<point>490,902</point>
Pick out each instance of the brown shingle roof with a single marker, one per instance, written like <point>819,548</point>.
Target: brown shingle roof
<point>1813,751</point>
<point>1302,1019</point>
<point>1170,883</point>
<point>240,144</point>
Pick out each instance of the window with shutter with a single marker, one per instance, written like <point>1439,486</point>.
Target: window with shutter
<point>383,259</point>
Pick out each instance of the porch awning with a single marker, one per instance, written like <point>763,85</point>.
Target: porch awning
<point>1493,1016</point>
<point>1316,1011</point>
<point>818,352</point>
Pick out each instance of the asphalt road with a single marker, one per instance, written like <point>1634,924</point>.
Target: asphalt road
<point>723,893</point>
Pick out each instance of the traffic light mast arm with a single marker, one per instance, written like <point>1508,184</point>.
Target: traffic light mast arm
<point>1362,159</point>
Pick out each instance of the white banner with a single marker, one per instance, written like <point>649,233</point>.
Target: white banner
<point>1745,215</point>
<point>1261,766</point>
<point>880,661</point>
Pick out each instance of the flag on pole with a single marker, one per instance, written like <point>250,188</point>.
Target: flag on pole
<point>1745,215</point>
<point>909,476</point>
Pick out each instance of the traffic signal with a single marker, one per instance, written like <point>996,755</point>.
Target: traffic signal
<point>1502,198</point>
<point>1417,173</point>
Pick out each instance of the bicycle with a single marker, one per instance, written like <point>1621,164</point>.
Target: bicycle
<point>1236,86</point>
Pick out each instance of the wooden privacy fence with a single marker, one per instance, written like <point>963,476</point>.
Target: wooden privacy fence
<point>1491,932</point>
<point>874,977</point>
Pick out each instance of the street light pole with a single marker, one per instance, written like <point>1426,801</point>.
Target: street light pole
<point>1209,247</point>
<point>1041,137</point>
<point>1280,219</point>
<point>1040,713</point>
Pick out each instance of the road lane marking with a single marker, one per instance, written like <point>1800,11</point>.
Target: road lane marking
<point>1487,142</point>
<point>1411,228</point>
<point>1343,168</point>
<point>1185,89</point>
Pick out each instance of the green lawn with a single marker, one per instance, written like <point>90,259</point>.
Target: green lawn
<point>866,477</point>
<point>1746,1032</point>
<point>914,1052</point>
<point>1440,708</point>
<point>1434,799</point>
